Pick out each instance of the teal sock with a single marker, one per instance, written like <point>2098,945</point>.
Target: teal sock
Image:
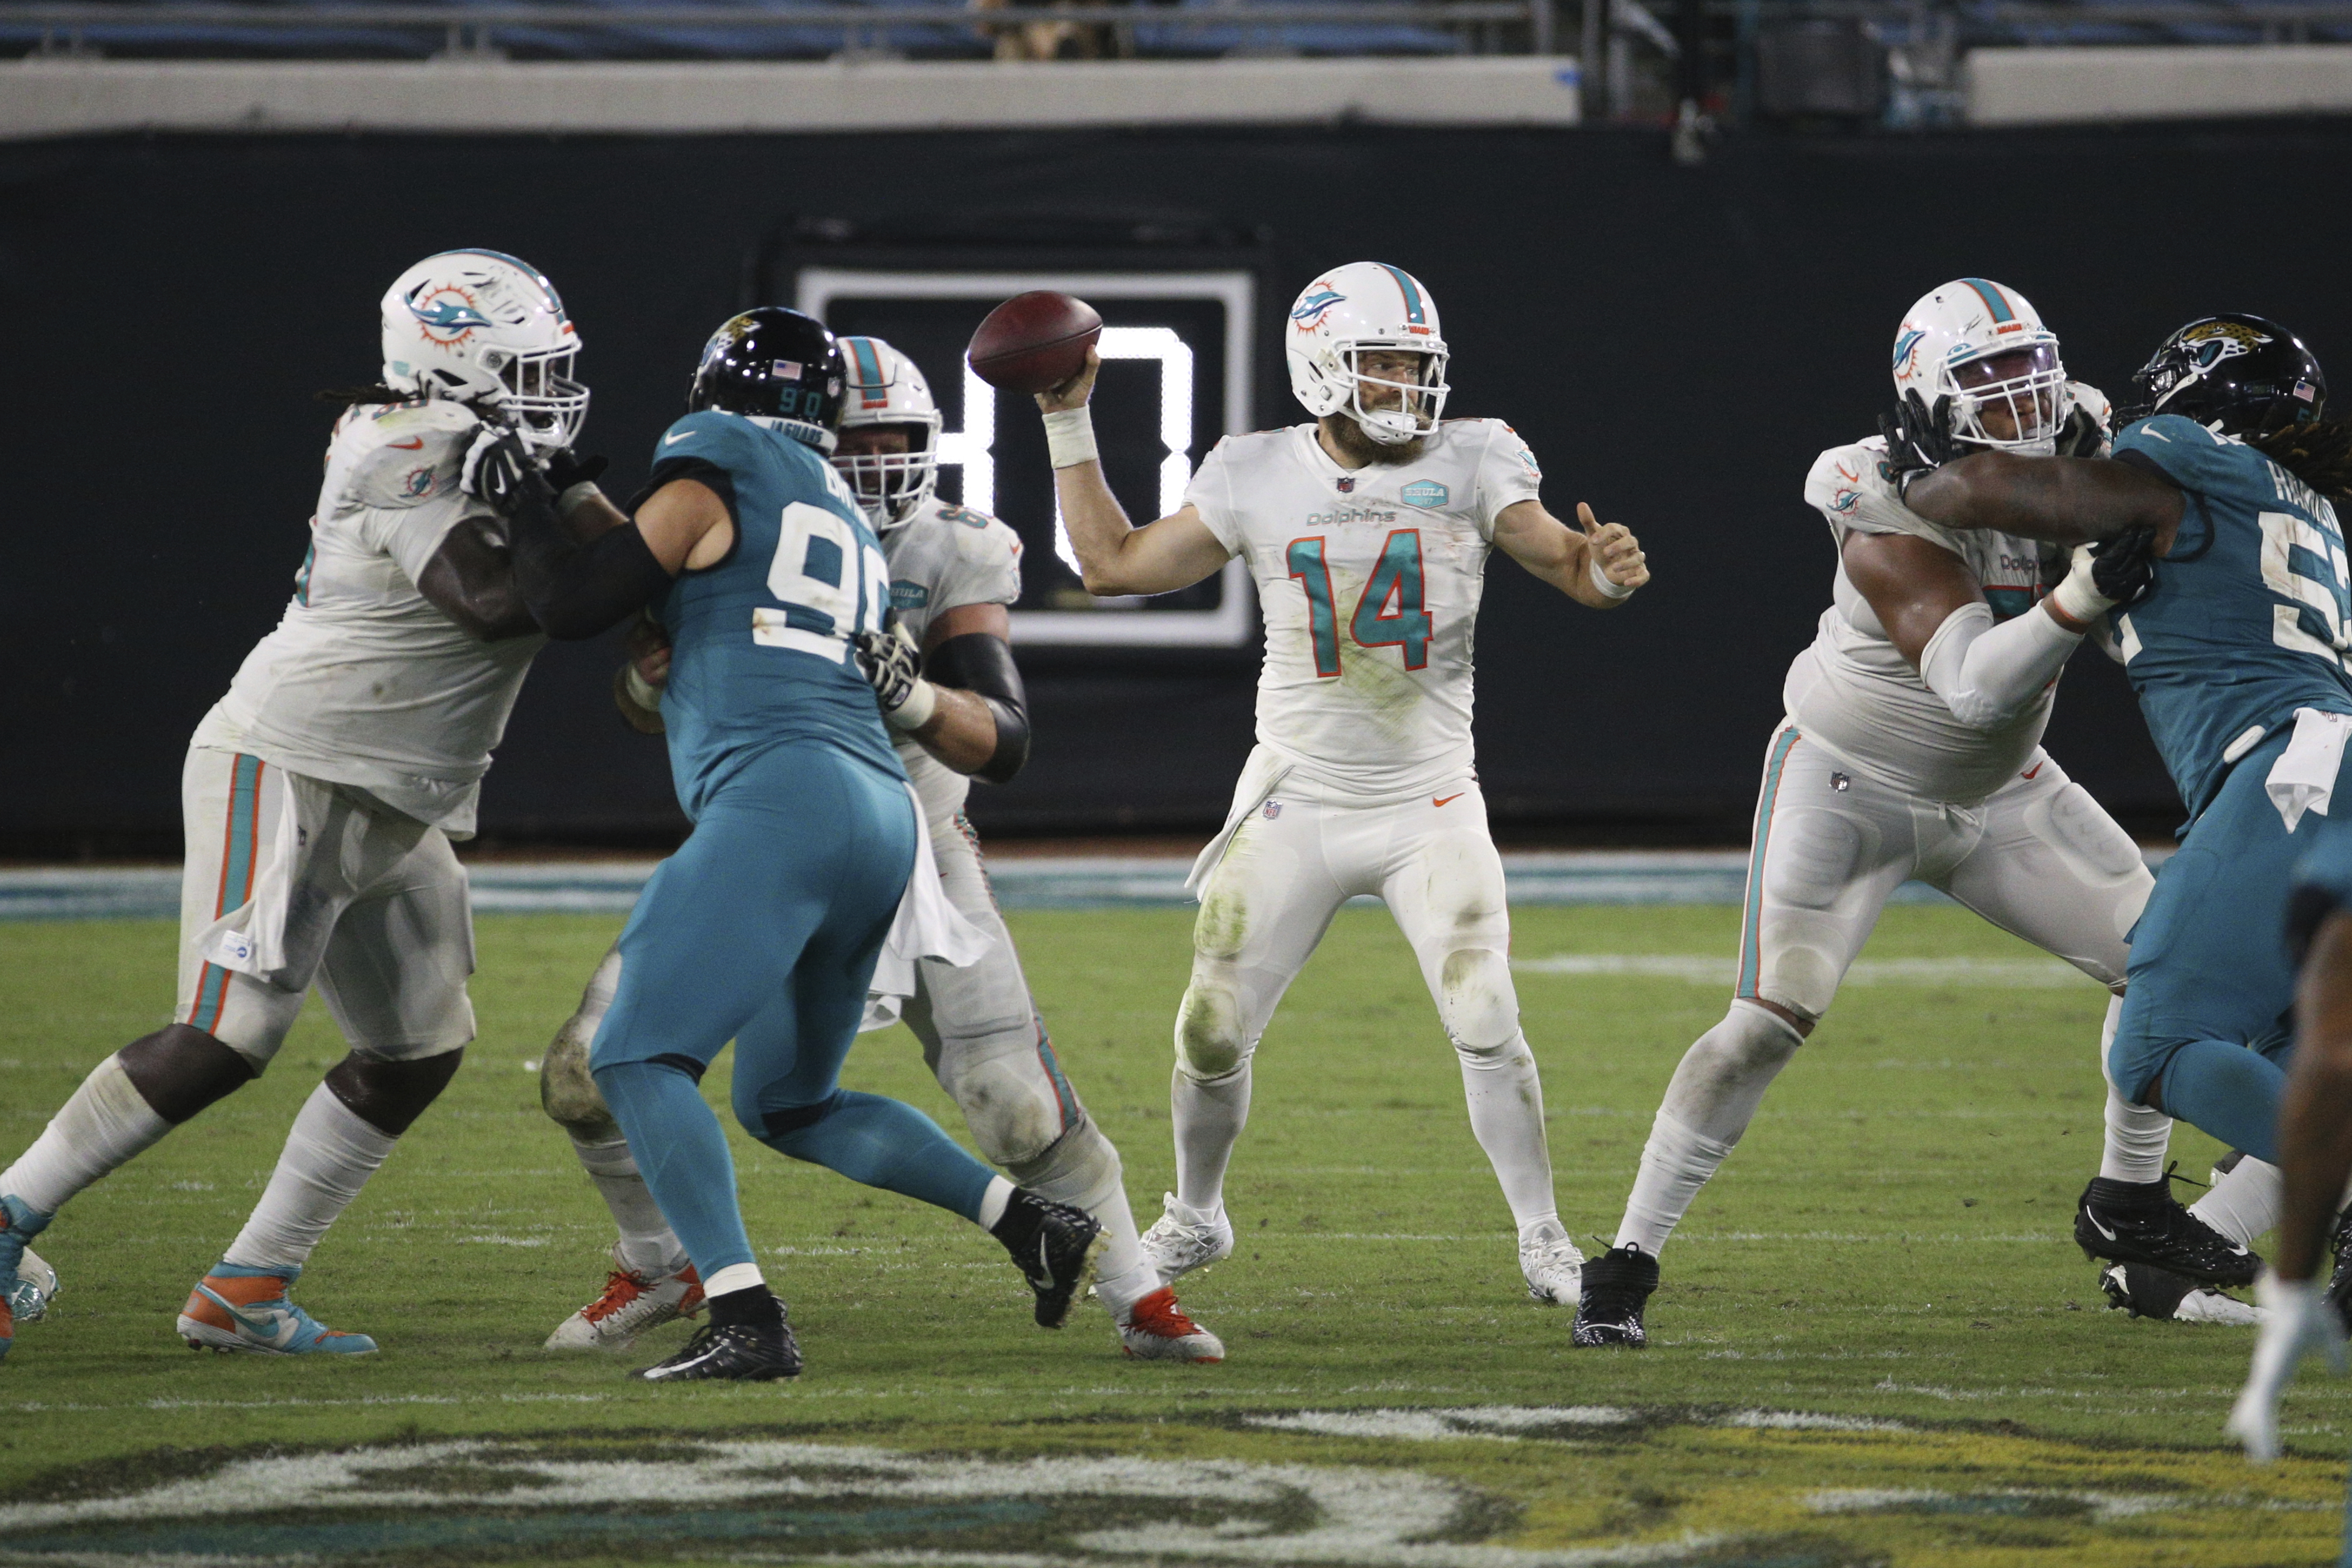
<point>883,1142</point>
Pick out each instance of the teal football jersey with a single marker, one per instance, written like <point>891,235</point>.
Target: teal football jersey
<point>759,641</point>
<point>2250,618</point>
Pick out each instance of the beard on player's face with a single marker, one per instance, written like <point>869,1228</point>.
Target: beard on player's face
<point>1349,438</point>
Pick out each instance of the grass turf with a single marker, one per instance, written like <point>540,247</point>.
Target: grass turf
<point>1889,1242</point>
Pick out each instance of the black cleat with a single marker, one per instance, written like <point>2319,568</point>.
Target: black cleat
<point>2139,1222</point>
<point>739,1353</point>
<point>1617,1286</point>
<point>1054,1245</point>
<point>2339,1283</point>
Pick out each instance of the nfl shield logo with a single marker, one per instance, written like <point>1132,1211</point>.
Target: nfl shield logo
<point>1273,808</point>
<point>1347,484</point>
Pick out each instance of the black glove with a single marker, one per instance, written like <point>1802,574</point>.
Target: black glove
<point>566,468</point>
<point>891,664</point>
<point>2123,568</point>
<point>2082,435</point>
<point>1918,439</point>
<point>499,470</point>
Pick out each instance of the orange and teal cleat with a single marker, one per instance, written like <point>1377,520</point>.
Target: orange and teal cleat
<point>234,1308</point>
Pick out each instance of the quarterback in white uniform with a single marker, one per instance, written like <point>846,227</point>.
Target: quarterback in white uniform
<point>1912,749</point>
<point>320,796</point>
<point>953,571</point>
<point>1368,533</point>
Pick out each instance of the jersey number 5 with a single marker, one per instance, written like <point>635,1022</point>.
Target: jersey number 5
<point>2305,565</point>
<point>1389,613</point>
<point>830,582</point>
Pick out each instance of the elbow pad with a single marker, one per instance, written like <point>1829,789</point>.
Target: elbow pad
<point>1988,674</point>
<point>981,664</point>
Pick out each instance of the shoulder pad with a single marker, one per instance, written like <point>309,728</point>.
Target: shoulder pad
<point>403,455</point>
<point>1842,476</point>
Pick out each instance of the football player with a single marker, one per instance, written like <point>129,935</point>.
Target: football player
<point>766,925</point>
<point>1912,748</point>
<point>320,796</point>
<point>2219,538</point>
<point>1368,532</point>
<point>953,571</point>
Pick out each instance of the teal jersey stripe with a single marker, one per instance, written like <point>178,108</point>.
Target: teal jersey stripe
<point>1063,1092</point>
<point>237,872</point>
<point>1994,300</point>
<point>1750,939</point>
<point>1411,291</point>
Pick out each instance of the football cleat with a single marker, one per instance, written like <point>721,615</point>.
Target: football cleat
<point>1054,1245</point>
<point>632,1303</point>
<point>1176,1245</point>
<point>2145,1292</point>
<point>1617,1285</point>
<point>1553,1266</point>
<point>19,1223</point>
<point>2339,1283</point>
<point>2139,1222</point>
<point>234,1308</point>
<point>36,1287</point>
<point>1156,1329</point>
<point>735,1352</point>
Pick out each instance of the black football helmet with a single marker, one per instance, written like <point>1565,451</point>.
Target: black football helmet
<point>771,364</point>
<point>2245,374</point>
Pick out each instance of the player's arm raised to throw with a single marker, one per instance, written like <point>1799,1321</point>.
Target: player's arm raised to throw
<point>2064,500</point>
<point>1577,563</point>
<point>1114,556</point>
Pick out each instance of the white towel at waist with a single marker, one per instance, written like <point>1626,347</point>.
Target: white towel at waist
<point>2304,777</point>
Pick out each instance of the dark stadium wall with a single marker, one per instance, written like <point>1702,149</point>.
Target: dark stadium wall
<point>1676,343</point>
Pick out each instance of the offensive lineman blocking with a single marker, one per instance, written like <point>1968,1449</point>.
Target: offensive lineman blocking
<point>1368,533</point>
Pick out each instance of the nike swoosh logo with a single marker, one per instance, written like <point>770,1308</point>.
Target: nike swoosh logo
<point>2032,771</point>
<point>1455,796</point>
<point>268,1327</point>
<point>1042,1279</point>
<point>2099,1228</point>
<point>415,446</point>
<point>682,435</point>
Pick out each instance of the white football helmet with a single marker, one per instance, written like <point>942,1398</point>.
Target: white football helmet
<point>480,327</point>
<point>1984,346</point>
<point>885,387</point>
<point>1347,311</point>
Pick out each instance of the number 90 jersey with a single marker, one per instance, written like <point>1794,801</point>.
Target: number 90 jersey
<point>2250,620</point>
<point>760,643</point>
<point>1369,581</point>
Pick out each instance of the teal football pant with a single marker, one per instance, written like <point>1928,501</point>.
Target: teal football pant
<point>765,927</point>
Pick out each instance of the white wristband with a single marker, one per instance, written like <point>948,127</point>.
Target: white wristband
<point>642,692</point>
<point>1070,437</point>
<point>923,701</point>
<point>1607,588</point>
<point>574,495</point>
<point>2077,596</point>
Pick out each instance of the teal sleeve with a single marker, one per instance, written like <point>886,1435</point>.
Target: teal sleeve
<point>2197,460</point>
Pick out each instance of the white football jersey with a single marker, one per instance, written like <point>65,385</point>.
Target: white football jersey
<point>1369,581</point>
<point>943,557</point>
<point>1853,693</point>
<point>364,682</point>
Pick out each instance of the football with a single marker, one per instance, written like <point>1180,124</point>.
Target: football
<point>1033,341</point>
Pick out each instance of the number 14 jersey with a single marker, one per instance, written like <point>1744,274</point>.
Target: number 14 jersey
<point>1369,581</point>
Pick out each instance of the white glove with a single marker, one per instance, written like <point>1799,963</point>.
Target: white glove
<point>2300,1322</point>
<point>893,667</point>
<point>2077,597</point>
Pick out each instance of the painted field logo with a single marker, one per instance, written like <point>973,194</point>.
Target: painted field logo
<point>1425,493</point>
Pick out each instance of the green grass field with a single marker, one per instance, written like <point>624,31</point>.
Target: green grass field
<point>1875,1343</point>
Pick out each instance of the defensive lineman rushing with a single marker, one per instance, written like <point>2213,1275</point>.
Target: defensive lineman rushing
<point>952,573</point>
<point>1368,533</point>
<point>1912,748</point>
<point>320,795</point>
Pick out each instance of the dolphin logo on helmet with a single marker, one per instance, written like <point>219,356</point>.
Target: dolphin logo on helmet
<point>1981,346</point>
<point>483,327</point>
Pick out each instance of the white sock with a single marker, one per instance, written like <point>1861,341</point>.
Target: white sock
<point>1209,1118</point>
<point>1506,1097</point>
<point>330,1154</point>
<point>649,1246</point>
<point>2137,1137</point>
<point>104,1125</point>
<point>733,1278</point>
<point>1713,1096</point>
<point>1083,1170</point>
<point>2244,1204</point>
<point>994,1202</point>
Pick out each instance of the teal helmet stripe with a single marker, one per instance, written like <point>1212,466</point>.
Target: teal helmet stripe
<point>1412,293</point>
<point>1994,298</point>
<point>869,380</point>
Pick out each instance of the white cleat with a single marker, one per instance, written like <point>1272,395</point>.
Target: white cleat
<point>1176,1245</point>
<point>1554,1267</point>
<point>632,1303</point>
<point>36,1287</point>
<point>1156,1329</point>
<point>2149,1293</point>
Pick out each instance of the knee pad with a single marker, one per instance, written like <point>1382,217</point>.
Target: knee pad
<point>1080,1160</point>
<point>1477,1003</point>
<point>1007,1097</point>
<point>568,1092</point>
<point>1210,1039</point>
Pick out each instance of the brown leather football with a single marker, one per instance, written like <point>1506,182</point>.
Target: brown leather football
<point>1033,341</point>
